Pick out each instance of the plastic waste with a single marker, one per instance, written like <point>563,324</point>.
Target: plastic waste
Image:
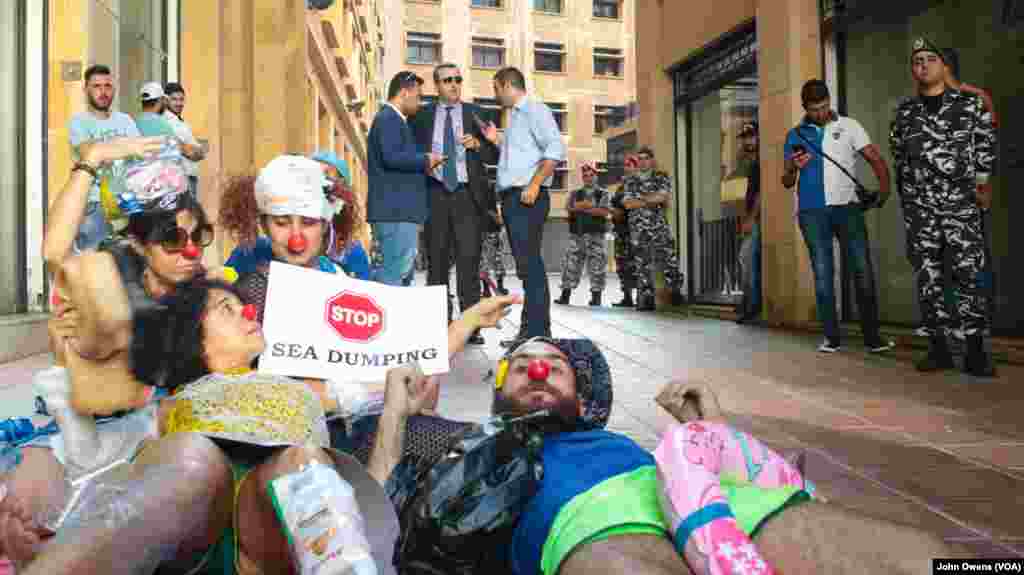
<point>321,519</point>
<point>458,512</point>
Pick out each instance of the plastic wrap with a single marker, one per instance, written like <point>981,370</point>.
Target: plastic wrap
<point>321,518</point>
<point>144,184</point>
<point>355,399</point>
<point>140,519</point>
<point>255,408</point>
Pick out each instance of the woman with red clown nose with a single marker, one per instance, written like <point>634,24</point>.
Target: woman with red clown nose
<point>95,295</point>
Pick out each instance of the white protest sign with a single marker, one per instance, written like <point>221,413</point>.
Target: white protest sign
<point>331,326</point>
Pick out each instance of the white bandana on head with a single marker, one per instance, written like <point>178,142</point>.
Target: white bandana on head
<point>296,186</point>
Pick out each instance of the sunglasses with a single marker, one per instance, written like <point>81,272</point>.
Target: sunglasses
<point>174,239</point>
<point>450,79</point>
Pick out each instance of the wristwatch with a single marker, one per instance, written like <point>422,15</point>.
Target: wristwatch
<point>87,168</point>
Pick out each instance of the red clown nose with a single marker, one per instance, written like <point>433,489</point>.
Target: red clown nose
<point>249,312</point>
<point>296,244</point>
<point>538,370</point>
<point>191,252</point>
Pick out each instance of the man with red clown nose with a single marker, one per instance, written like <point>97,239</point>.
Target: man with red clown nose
<point>710,499</point>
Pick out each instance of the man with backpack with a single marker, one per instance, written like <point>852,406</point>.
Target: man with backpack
<point>823,149</point>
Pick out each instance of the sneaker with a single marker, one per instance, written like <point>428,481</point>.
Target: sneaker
<point>882,347</point>
<point>828,347</point>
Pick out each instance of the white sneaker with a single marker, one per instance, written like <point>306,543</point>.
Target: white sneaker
<point>882,347</point>
<point>828,347</point>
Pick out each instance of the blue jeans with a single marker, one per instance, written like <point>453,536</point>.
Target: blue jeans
<point>846,223</point>
<point>93,230</point>
<point>525,225</point>
<point>397,242</point>
<point>751,304</point>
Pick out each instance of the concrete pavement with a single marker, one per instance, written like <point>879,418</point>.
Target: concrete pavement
<point>941,451</point>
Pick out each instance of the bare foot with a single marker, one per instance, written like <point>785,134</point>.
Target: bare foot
<point>690,401</point>
<point>20,538</point>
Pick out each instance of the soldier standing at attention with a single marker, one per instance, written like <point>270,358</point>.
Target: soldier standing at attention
<point>944,147</point>
<point>623,248</point>
<point>588,221</point>
<point>645,197</point>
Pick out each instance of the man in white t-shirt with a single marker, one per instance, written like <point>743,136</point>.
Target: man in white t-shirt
<point>97,123</point>
<point>828,207</point>
<point>193,151</point>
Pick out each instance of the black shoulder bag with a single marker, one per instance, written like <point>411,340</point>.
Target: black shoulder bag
<point>867,198</point>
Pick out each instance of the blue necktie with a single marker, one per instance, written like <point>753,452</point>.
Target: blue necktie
<point>449,173</point>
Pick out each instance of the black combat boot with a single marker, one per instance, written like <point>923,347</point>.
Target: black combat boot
<point>595,298</point>
<point>645,302</point>
<point>485,288</point>
<point>977,361</point>
<point>501,285</point>
<point>627,299</point>
<point>677,297</point>
<point>564,300</point>
<point>938,357</point>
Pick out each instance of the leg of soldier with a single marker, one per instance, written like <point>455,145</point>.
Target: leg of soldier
<point>665,246</point>
<point>966,238</point>
<point>572,262</point>
<point>926,246</point>
<point>624,269</point>
<point>641,248</point>
<point>597,262</point>
<point>815,537</point>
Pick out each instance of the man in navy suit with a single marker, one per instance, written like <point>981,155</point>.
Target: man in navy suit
<point>461,199</point>
<point>397,201</point>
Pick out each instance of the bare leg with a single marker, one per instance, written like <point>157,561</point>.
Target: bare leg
<point>174,500</point>
<point>816,537</point>
<point>262,545</point>
<point>640,554</point>
<point>34,489</point>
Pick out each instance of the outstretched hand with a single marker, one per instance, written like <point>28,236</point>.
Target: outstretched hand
<point>488,312</point>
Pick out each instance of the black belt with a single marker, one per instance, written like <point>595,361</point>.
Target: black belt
<point>521,188</point>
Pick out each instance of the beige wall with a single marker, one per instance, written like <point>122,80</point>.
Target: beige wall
<point>519,27</point>
<point>789,54</point>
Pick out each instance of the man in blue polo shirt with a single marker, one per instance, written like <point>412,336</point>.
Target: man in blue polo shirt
<point>828,207</point>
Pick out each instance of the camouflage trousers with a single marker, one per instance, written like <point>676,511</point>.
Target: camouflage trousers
<point>935,226</point>
<point>492,253</point>
<point>652,241</point>
<point>587,248</point>
<point>624,262</point>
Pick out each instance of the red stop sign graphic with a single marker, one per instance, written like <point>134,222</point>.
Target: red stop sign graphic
<point>356,317</point>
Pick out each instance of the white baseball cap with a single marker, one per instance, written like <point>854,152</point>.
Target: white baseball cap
<point>151,91</point>
<point>295,185</point>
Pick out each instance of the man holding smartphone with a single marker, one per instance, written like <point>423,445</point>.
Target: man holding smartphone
<point>823,150</point>
<point>461,199</point>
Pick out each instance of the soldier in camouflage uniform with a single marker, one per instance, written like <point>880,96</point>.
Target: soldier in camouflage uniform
<point>588,222</point>
<point>645,195</point>
<point>623,247</point>
<point>944,146</point>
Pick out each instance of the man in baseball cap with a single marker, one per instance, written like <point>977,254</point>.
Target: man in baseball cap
<point>151,122</point>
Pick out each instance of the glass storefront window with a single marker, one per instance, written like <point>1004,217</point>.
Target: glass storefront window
<point>720,172</point>
<point>12,212</point>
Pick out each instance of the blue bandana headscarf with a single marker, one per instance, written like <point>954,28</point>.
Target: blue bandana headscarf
<point>593,378</point>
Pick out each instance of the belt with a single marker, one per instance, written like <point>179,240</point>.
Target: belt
<point>521,188</point>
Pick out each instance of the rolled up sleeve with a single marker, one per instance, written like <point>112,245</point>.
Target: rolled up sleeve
<point>549,137</point>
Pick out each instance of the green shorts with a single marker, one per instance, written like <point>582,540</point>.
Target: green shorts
<point>629,504</point>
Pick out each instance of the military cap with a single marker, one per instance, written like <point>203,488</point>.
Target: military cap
<point>923,44</point>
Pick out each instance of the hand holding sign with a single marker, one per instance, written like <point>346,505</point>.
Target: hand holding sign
<point>409,392</point>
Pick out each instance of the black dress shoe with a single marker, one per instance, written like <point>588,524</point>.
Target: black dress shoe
<point>475,339</point>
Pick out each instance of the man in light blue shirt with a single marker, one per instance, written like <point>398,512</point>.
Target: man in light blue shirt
<point>530,149</point>
<point>97,123</point>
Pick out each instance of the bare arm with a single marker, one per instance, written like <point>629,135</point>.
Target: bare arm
<point>407,391</point>
<point>878,165</point>
<point>544,171</point>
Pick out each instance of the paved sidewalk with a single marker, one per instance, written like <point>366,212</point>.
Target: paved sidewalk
<point>941,451</point>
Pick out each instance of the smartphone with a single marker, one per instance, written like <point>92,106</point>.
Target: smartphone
<point>799,149</point>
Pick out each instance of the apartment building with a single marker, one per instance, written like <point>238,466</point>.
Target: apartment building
<point>578,57</point>
<point>262,77</point>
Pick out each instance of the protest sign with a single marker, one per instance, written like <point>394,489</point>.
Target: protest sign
<point>331,326</point>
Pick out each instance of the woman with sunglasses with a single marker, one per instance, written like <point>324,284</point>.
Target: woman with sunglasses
<point>198,494</point>
<point>95,295</point>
